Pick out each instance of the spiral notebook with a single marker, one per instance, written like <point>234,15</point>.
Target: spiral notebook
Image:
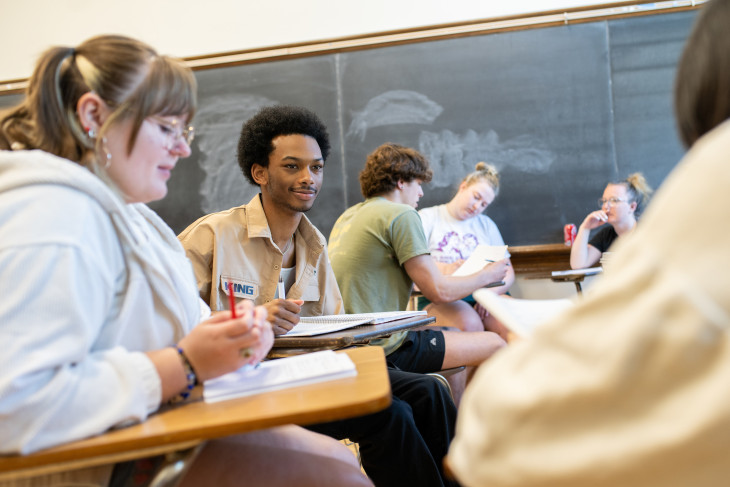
<point>272,375</point>
<point>318,325</point>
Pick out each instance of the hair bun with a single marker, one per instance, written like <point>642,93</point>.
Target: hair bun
<point>484,172</point>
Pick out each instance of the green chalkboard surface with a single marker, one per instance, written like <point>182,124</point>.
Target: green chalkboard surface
<point>559,110</point>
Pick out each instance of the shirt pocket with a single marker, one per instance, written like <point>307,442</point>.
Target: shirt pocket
<point>311,292</point>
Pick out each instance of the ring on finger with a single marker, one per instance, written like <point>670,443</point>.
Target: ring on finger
<point>246,352</point>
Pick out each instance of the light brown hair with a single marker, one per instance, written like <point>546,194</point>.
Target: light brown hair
<point>133,80</point>
<point>390,163</point>
<point>701,94</point>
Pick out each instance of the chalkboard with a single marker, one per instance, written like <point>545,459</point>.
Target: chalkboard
<point>10,100</point>
<point>560,111</point>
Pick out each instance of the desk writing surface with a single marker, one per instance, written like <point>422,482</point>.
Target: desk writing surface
<point>575,275</point>
<point>353,336</point>
<point>191,423</point>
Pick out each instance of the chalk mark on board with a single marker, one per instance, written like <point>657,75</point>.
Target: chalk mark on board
<point>394,107</point>
<point>217,129</point>
<point>452,156</point>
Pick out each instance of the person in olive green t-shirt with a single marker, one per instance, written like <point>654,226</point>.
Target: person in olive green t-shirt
<point>378,249</point>
<point>372,277</point>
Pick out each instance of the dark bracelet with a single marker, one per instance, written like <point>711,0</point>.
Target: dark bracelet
<point>190,375</point>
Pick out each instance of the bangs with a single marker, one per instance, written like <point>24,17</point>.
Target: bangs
<point>168,89</point>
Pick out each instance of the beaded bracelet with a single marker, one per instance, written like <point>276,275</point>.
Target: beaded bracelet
<point>190,374</point>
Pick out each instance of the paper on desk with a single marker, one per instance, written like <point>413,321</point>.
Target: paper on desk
<point>521,316</point>
<point>481,256</point>
<point>280,374</point>
<point>318,325</point>
<point>308,329</point>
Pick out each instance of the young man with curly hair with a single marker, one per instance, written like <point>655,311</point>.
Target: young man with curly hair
<point>378,249</point>
<point>283,151</point>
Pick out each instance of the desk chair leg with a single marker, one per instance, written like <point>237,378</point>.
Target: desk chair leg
<point>442,375</point>
<point>175,466</point>
<point>443,381</point>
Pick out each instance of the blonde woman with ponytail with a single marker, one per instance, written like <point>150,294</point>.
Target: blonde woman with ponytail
<point>100,318</point>
<point>621,205</point>
<point>454,230</point>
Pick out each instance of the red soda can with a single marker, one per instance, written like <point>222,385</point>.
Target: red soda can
<point>569,233</point>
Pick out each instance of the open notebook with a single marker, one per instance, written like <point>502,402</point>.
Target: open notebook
<point>318,325</point>
<point>482,255</point>
<point>280,374</point>
<point>521,316</point>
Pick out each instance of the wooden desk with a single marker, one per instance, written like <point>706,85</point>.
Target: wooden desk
<point>538,261</point>
<point>187,425</point>
<point>357,335</point>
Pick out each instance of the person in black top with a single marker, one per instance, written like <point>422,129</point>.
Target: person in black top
<point>621,204</point>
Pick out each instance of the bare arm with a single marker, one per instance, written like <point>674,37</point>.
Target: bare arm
<point>582,254</point>
<point>448,269</point>
<point>439,288</point>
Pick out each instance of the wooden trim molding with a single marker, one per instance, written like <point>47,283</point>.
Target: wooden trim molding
<point>552,18</point>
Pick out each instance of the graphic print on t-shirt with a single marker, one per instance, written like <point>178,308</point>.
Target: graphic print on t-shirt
<point>453,247</point>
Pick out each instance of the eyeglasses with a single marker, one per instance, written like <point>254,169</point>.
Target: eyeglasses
<point>611,201</point>
<point>174,131</point>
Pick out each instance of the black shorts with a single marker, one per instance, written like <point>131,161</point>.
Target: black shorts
<point>422,351</point>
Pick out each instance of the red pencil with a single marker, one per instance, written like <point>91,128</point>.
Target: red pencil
<point>231,300</point>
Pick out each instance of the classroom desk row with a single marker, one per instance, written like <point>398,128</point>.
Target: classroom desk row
<point>188,425</point>
<point>185,427</point>
<point>540,261</point>
<point>359,335</point>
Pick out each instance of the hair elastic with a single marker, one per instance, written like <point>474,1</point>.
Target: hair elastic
<point>57,77</point>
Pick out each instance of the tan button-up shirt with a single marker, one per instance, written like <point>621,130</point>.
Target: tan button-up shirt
<point>235,246</point>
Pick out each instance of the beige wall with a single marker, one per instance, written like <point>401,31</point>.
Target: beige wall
<point>193,27</point>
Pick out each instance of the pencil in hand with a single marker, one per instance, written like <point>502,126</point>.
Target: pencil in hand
<point>231,300</point>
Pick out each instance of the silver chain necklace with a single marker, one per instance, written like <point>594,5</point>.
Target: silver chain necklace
<point>288,245</point>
